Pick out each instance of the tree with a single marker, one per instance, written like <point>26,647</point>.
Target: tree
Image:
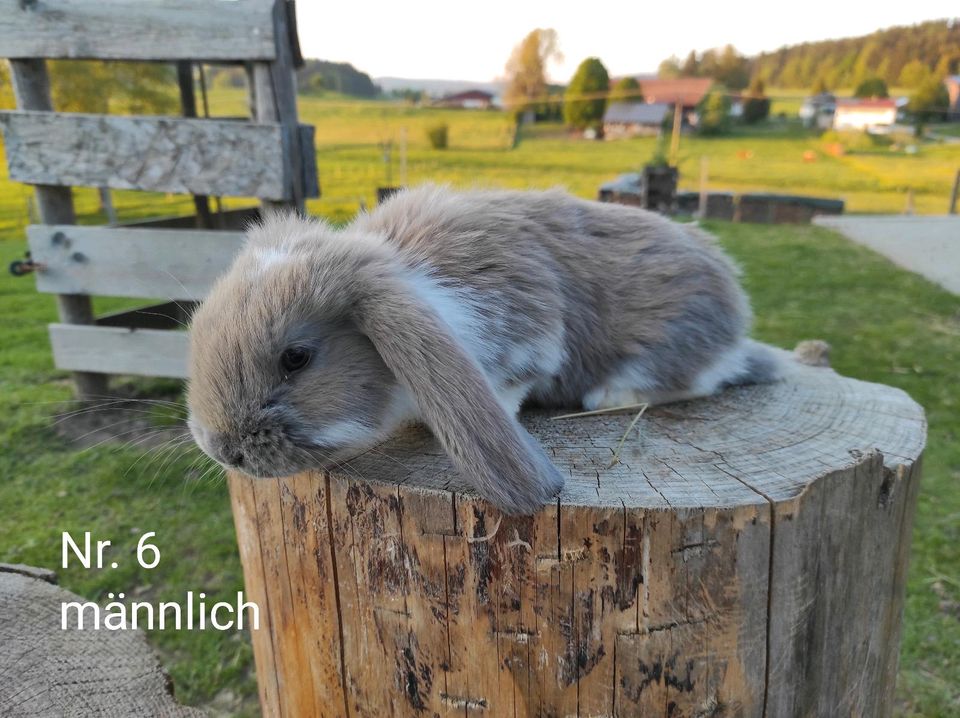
<point>585,100</point>
<point>725,65</point>
<point>930,101</point>
<point>865,68</point>
<point>913,74</point>
<point>756,105</point>
<point>341,77</point>
<point>820,85</point>
<point>691,66</point>
<point>872,87</point>
<point>714,113</point>
<point>144,88</point>
<point>669,69</point>
<point>949,62</point>
<point>626,89</point>
<point>846,62</point>
<point>732,69</point>
<point>526,70</point>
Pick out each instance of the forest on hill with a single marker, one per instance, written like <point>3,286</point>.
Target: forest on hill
<point>316,76</point>
<point>903,56</point>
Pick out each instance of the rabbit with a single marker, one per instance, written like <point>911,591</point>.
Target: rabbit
<point>453,309</point>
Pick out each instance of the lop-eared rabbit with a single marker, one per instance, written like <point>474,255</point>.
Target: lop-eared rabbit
<point>453,309</point>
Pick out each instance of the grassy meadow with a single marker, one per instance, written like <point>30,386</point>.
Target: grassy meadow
<point>780,157</point>
<point>885,325</point>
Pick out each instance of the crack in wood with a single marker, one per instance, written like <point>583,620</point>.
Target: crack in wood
<point>336,595</point>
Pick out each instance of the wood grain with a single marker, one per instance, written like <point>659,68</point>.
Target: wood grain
<point>119,350</point>
<point>746,557</point>
<point>163,154</point>
<point>138,29</point>
<point>46,671</point>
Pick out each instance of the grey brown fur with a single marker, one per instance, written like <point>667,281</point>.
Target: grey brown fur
<point>454,309</point>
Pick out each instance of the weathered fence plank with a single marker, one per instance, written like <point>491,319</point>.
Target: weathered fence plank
<point>274,99</point>
<point>138,29</point>
<point>127,262</point>
<point>161,154</point>
<point>118,350</point>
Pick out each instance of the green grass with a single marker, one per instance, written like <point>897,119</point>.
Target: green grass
<point>885,325</point>
<point>774,157</point>
<point>951,129</point>
<point>48,486</point>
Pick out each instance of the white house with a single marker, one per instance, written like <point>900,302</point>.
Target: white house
<point>862,114</point>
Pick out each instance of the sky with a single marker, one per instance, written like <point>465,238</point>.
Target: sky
<point>472,41</point>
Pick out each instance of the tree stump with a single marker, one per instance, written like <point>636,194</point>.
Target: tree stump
<point>746,556</point>
<point>46,671</point>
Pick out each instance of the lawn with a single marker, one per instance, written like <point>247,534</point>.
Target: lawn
<point>885,325</point>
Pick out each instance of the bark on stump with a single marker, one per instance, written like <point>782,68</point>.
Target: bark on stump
<point>746,557</point>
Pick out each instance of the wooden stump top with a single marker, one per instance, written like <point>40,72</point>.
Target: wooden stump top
<point>47,671</point>
<point>748,445</point>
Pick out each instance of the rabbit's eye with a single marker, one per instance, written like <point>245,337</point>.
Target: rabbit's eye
<point>294,359</point>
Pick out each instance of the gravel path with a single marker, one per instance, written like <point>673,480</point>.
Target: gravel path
<point>927,245</point>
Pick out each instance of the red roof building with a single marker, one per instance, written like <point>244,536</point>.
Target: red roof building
<point>688,91</point>
<point>469,100</point>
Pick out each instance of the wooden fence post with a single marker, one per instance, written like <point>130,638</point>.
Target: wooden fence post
<point>188,106</point>
<point>31,86</point>
<point>704,192</point>
<point>675,134</point>
<point>955,193</point>
<point>274,92</point>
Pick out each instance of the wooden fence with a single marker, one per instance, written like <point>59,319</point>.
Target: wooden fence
<point>271,158</point>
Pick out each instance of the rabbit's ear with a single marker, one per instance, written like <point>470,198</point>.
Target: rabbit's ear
<point>487,446</point>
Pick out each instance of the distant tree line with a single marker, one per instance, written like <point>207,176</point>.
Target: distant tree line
<point>315,76</point>
<point>725,65</point>
<point>900,56</point>
<point>342,77</point>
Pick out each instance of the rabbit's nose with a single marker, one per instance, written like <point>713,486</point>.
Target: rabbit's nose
<point>227,452</point>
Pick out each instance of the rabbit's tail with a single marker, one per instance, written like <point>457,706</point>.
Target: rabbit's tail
<point>758,364</point>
